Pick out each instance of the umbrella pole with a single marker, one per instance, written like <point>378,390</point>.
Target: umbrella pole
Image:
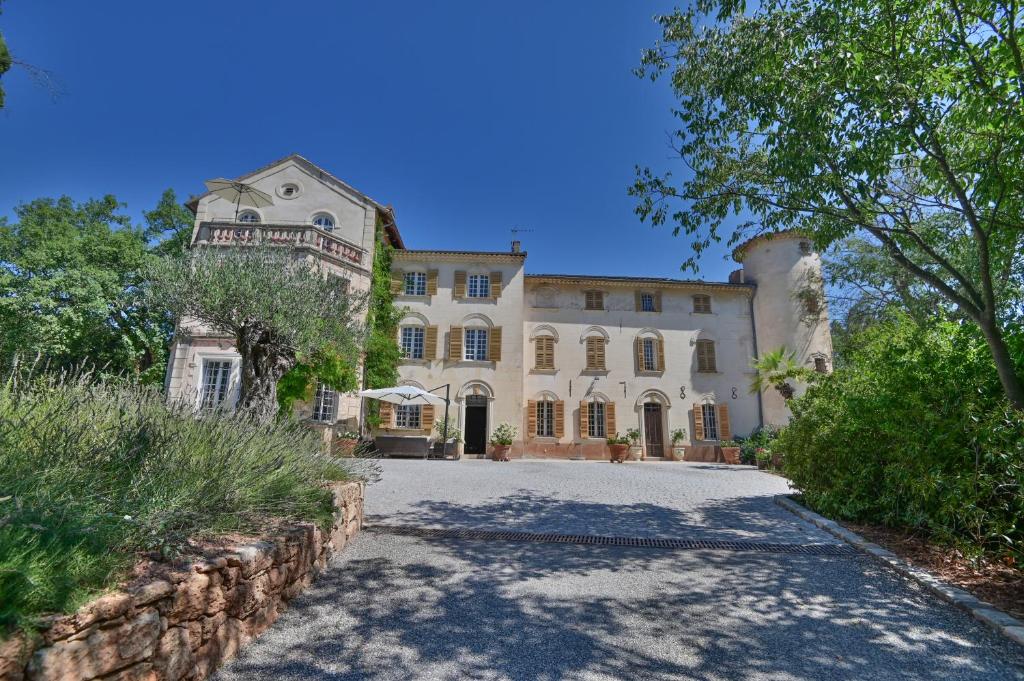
<point>238,202</point>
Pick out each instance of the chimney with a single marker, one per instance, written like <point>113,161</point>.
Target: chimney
<point>517,246</point>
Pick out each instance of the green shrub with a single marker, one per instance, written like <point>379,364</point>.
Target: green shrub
<point>761,439</point>
<point>92,474</point>
<point>914,431</point>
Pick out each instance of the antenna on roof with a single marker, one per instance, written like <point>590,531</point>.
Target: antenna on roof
<point>516,244</point>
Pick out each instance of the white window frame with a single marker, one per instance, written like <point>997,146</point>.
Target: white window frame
<point>475,350</point>
<point>415,284</point>
<point>478,286</point>
<point>412,341</point>
<point>220,392</point>
<point>597,426</point>
<point>408,416</point>
<point>249,217</point>
<point>325,403</point>
<point>650,353</point>
<point>320,219</point>
<point>545,418</point>
<point>710,421</point>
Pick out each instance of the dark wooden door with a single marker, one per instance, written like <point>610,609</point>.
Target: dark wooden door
<point>476,426</point>
<point>653,434</point>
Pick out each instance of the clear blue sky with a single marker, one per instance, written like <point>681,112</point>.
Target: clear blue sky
<point>468,117</point>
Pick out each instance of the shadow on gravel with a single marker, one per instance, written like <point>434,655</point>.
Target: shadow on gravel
<point>492,610</point>
<point>747,518</point>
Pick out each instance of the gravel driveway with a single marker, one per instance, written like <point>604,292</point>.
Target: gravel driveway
<point>400,607</point>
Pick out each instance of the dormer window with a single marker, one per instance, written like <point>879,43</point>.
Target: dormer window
<point>594,300</point>
<point>249,217</point>
<point>324,222</point>
<point>702,304</point>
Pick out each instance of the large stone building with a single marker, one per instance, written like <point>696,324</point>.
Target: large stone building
<point>567,359</point>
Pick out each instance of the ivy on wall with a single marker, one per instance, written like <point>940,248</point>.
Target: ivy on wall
<point>380,369</point>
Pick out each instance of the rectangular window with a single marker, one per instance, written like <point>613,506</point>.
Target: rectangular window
<point>820,365</point>
<point>594,300</point>
<point>647,302</point>
<point>702,304</point>
<point>478,286</point>
<point>545,419</point>
<point>650,354</point>
<point>216,380</point>
<point>706,356</point>
<point>596,426</point>
<point>710,421</point>
<point>415,283</point>
<point>476,344</point>
<point>544,353</point>
<point>324,403</point>
<point>407,416</point>
<point>412,342</point>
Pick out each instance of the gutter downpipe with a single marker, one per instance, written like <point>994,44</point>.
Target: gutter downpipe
<point>753,332</point>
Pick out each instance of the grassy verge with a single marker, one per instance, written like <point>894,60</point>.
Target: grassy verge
<point>92,474</point>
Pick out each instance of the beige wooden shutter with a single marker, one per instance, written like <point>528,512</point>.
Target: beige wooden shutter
<point>559,419</point>
<point>660,343</point>
<point>698,421</point>
<point>460,284</point>
<point>432,283</point>
<point>430,343</point>
<point>538,353</point>
<point>531,418</point>
<point>455,343</point>
<point>638,353</point>
<point>387,415</point>
<point>657,301</point>
<point>397,281</point>
<point>639,297</point>
<point>724,431</point>
<point>599,352</point>
<point>495,284</point>
<point>709,350</point>
<point>550,353</point>
<point>427,417</point>
<point>584,419</point>
<point>494,344</point>
<point>609,419</point>
<point>591,354</point>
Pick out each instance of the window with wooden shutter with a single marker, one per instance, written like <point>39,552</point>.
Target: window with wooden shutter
<point>544,352</point>
<point>430,344</point>
<point>387,415</point>
<point>698,421</point>
<point>660,345</point>
<point>706,356</point>
<point>646,301</point>
<point>455,343</point>
<point>609,418</point>
<point>397,281</point>
<point>724,431</point>
<point>494,345</point>
<point>594,300</point>
<point>595,353</point>
<point>459,290</point>
<point>638,354</point>
<point>495,284</point>
<point>584,419</point>
<point>427,417</point>
<point>432,283</point>
<point>709,416</point>
<point>531,418</point>
<point>702,304</point>
<point>545,418</point>
<point>559,419</point>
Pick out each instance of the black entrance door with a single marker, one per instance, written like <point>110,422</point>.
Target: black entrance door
<point>476,424</point>
<point>653,435</point>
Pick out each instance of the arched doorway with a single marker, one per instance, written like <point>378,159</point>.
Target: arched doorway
<point>653,407</point>
<point>476,398</point>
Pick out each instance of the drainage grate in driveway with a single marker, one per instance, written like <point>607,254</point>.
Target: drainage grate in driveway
<point>596,540</point>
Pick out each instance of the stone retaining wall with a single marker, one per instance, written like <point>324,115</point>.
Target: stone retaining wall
<point>188,623</point>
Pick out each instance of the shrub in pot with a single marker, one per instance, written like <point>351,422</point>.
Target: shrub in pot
<point>633,437</point>
<point>618,448</point>
<point>763,456</point>
<point>678,449</point>
<point>345,443</point>
<point>731,451</point>
<point>501,441</point>
<point>453,443</point>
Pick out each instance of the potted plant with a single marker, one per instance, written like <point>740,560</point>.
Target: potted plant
<point>633,437</point>
<point>763,456</point>
<point>618,448</point>
<point>678,449</point>
<point>501,441</point>
<point>345,443</point>
<point>452,446</point>
<point>731,451</point>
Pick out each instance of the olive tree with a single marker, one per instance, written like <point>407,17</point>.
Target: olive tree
<point>279,306</point>
<point>898,121</point>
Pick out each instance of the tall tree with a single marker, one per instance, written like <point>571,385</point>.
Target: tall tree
<point>279,307</point>
<point>69,289</point>
<point>902,121</point>
<point>169,225</point>
<point>5,60</point>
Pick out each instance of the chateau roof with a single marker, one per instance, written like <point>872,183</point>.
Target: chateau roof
<point>737,253</point>
<point>414,253</point>
<point>602,280</point>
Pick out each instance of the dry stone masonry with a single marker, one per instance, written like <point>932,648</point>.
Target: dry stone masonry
<point>187,624</point>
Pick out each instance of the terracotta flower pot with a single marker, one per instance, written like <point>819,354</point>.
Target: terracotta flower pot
<point>500,452</point>
<point>345,447</point>
<point>731,455</point>
<point>618,453</point>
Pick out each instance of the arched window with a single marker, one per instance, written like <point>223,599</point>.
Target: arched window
<point>249,217</point>
<point>324,222</point>
<point>706,356</point>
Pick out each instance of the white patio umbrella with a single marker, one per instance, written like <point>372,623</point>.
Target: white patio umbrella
<point>405,394</point>
<point>240,193</point>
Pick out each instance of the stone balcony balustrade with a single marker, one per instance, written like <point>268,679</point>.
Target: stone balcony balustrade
<point>302,236</point>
